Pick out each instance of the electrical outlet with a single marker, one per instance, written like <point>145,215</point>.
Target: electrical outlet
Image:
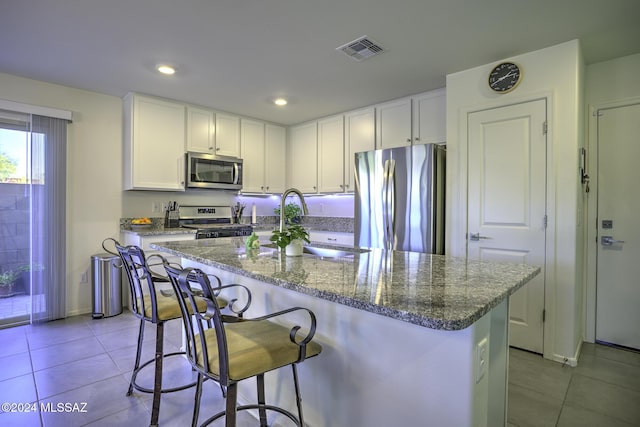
<point>84,277</point>
<point>165,206</point>
<point>482,358</point>
<point>155,207</point>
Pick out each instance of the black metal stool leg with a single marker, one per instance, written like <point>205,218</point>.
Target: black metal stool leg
<point>157,384</point>
<point>196,405</point>
<point>298,397</point>
<point>138,356</point>
<point>261,400</point>
<point>232,401</point>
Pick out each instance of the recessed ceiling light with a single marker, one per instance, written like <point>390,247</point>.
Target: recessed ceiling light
<point>166,69</point>
<point>280,102</point>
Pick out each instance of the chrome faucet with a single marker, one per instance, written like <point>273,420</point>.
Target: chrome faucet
<point>282,199</point>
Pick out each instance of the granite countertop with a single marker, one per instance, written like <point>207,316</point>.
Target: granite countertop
<point>435,291</point>
<point>156,230</point>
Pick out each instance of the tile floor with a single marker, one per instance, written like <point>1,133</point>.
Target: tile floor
<point>79,360</point>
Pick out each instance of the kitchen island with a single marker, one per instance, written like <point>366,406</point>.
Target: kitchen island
<point>409,339</point>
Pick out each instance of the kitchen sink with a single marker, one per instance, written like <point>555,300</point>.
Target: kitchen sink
<point>325,251</point>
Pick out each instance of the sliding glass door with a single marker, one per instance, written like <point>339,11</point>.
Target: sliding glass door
<point>32,199</point>
<point>15,218</point>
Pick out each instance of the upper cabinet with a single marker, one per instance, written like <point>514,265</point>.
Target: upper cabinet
<point>330,154</point>
<point>393,123</point>
<point>303,157</point>
<point>200,130</point>
<point>252,150</point>
<point>429,117</point>
<point>214,133</point>
<point>227,135</point>
<point>275,159</point>
<point>359,135</point>
<point>154,144</point>
<point>419,119</point>
<point>263,151</point>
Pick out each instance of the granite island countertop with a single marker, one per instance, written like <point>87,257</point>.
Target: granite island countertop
<point>434,291</point>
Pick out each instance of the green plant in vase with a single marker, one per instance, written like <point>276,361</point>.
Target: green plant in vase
<point>291,238</point>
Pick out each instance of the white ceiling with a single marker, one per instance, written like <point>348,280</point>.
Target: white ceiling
<point>236,55</point>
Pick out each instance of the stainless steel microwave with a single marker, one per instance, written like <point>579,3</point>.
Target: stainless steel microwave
<point>211,171</point>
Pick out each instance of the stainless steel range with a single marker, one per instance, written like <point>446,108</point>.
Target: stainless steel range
<point>211,222</point>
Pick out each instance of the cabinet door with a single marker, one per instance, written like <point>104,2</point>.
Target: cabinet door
<point>394,123</point>
<point>360,135</point>
<point>227,135</point>
<point>429,117</point>
<point>275,158</point>
<point>304,158</point>
<point>252,151</point>
<point>331,154</point>
<point>154,144</point>
<point>200,130</point>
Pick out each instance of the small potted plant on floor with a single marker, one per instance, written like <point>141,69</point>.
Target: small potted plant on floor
<point>8,283</point>
<point>291,238</point>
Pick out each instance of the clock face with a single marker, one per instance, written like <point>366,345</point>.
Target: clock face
<point>504,77</point>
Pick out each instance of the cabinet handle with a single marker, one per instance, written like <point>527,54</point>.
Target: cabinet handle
<point>332,239</point>
<point>342,186</point>
<point>417,138</point>
<point>262,188</point>
<point>267,188</point>
<point>217,149</point>
<point>408,139</point>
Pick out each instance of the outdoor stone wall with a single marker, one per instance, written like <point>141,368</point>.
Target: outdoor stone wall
<point>14,226</point>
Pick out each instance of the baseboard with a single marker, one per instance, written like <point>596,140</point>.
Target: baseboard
<point>571,361</point>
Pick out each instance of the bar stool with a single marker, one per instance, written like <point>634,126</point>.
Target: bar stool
<point>155,306</point>
<point>237,348</point>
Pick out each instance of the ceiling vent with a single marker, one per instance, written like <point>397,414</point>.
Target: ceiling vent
<point>361,48</point>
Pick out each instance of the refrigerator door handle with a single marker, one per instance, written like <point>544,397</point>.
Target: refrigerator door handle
<point>385,206</point>
<point>391,204</point>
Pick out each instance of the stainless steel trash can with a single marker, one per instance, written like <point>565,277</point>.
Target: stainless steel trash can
<point>106,280</point>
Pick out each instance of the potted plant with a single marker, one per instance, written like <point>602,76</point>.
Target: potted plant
<point>8,283</point>
<point>292,213</point>
<point>291,238</point>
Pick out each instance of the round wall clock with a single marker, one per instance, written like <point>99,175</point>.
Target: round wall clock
<point>504,77</point>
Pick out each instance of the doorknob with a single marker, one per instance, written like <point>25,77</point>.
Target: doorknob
<point>609,241</point>
<point>476,237</point>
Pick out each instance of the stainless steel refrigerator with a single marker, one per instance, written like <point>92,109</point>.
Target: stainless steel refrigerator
<point>399,198</point>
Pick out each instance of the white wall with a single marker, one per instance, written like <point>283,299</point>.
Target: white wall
<point>94,171</point>
<point>607,83</point>
<point>554,74</point>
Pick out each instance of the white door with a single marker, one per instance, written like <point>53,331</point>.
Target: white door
<point>506,210</point>
<point>618,276</point>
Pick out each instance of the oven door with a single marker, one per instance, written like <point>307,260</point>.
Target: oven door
<point>210,171</point>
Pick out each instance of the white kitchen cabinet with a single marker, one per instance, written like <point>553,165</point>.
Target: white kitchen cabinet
<point>429,117</point>
<point>303,157</point>
<point>359,135</point>
<point>227,135</point>
<point>334,237</point>
<point>263,150</point>
<point>252,150</point>
<point>331,154</point>
<point>154,144</point>
<point>144,242</point>
<point>200,130</point>
<point>393,123</point>
<point>419,119</point>
<point>275,140</point>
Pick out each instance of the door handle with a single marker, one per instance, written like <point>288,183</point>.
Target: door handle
<point>475,237</point>
<point>609,241</point>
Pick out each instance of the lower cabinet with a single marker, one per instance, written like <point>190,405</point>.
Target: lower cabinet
<point>332,237</point>
<point>144,242</point>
